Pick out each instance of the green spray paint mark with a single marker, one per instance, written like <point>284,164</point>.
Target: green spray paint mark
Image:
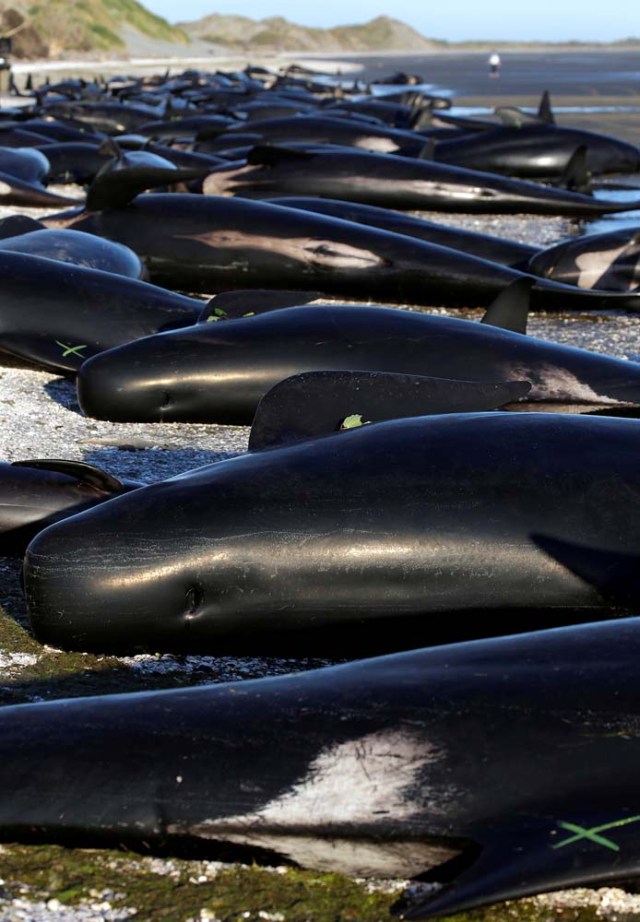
<point>218,314</point>
<point>70,350</point>
<point>593,834</point>
<point>353,421</point>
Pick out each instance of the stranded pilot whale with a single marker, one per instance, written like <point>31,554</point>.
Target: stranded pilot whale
<point>218,372</point>
<point>211,244</point>
<point>395,182</point>
<point>608,261</point>
<point>387,525</point>
<point>502,767</point>
<point>56,314</point>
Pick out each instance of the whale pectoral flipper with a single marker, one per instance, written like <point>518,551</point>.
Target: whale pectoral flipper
<point>93,476</point>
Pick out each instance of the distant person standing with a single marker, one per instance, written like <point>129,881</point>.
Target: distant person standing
<point>494,64</point>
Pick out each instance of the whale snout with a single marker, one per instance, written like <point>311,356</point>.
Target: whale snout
<point>109,387</point>
<point>93,586</point>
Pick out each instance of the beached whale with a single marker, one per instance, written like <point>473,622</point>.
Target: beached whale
<point>607,261</point>
<point>396,182</point>
<point>211,244</point>
<point>537,150</point>
<point>218,371</point>
<point>366,537</point>
<point>23,174</point>
<point>486,246</point>
<point>56,314</point>
<point>501,768</point>
<point>73,247</point>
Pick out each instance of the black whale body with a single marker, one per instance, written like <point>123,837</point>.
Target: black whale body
<point>329,129</point>
<point>387,526</point>
<point>492,750</point>
<point>607,261</point>
<point>211,244</point>
<point>217,372</point>
<point>56,314</point>
<point>396,182</point>
<point>539,150</point>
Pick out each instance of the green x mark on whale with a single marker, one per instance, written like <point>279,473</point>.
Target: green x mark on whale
<point>593,834</point>
<point>70,350</point>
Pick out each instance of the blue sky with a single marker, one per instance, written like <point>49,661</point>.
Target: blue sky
<point>550,20</point>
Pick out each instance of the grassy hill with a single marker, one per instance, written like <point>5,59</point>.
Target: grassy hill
<point>240,33</point>
<point>58,28</point>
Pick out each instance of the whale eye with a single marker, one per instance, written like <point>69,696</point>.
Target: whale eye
<point>194,597</point>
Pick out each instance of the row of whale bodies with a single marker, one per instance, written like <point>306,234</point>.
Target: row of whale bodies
<point>486,763</point>
<point>92,298</point>
<point>343,152</point>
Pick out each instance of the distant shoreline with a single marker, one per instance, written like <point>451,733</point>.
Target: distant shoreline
<point>230,54</point>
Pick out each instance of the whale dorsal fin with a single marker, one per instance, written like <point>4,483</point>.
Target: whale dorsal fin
<point>318,403</point>
<point>421,117</point>
<point>510,309</point>
<point>545,112</point>
<point>110,148</point>
<point>428,150</point>
<point>576,176</point>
